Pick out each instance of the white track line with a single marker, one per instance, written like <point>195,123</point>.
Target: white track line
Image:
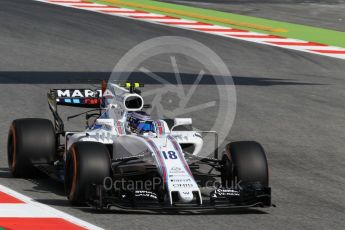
<point>23,210</point>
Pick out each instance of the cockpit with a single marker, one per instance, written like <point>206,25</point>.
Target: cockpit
<point>146,126</point>
<point>140,122</point>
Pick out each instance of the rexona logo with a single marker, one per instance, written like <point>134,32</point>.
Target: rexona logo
<point>82,93</point>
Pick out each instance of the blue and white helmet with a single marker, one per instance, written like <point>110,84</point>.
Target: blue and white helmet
<point>140,122</point>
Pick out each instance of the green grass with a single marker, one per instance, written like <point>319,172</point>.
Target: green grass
<point>308,33</point>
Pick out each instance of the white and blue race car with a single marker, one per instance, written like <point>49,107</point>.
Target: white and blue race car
<point>124,158</point>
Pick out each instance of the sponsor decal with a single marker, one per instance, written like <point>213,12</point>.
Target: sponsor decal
<point>183,185</point>
<point>79,93</point>
<point>179,175</point>
<point>179,180</point>
<point>226,192</point>
<point>86,93</point>
<point>160,129</point>
<point>145,194</point>
<point>176,170</point>
<point>119,127</point>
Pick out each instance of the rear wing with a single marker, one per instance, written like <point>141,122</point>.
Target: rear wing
<point>128,94</point>
<point>84,98</point>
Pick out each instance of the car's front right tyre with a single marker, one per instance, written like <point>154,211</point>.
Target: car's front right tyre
<point>244,162</point>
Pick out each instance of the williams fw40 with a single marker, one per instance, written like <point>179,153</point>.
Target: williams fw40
<point>127,159</point>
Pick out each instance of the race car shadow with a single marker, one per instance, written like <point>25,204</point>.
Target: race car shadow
<point>54,202</point>
<point>230,211</point>
<point>42,185</point>
<point>5,173</point>
<point>47,185</point>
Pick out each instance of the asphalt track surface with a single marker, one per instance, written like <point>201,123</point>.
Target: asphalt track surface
<point>291,102</point>
<point>329,14</point>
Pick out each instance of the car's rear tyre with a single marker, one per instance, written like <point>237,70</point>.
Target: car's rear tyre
<point>87,163</point>
<point>30,141</point>
<point>244,162</point>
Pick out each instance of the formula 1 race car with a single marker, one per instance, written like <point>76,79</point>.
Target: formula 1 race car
<point>127,159</point>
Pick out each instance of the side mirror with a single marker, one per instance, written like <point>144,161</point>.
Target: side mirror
<point>182,121</point>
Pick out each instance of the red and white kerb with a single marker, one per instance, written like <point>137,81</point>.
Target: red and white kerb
<point>19,212</point>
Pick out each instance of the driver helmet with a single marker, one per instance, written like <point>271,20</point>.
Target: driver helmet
<point>140,122</point>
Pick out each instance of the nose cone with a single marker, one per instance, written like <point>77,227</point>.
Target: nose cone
<point>185,196</point>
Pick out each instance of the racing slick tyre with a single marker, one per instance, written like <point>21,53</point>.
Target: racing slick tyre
<point>30,141</point>
<point>244,162</point>
<point>87,164</point>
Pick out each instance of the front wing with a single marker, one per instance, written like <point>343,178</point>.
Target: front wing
<point>252,195</point>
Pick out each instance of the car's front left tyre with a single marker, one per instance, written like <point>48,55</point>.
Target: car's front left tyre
<point>87,164</point>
